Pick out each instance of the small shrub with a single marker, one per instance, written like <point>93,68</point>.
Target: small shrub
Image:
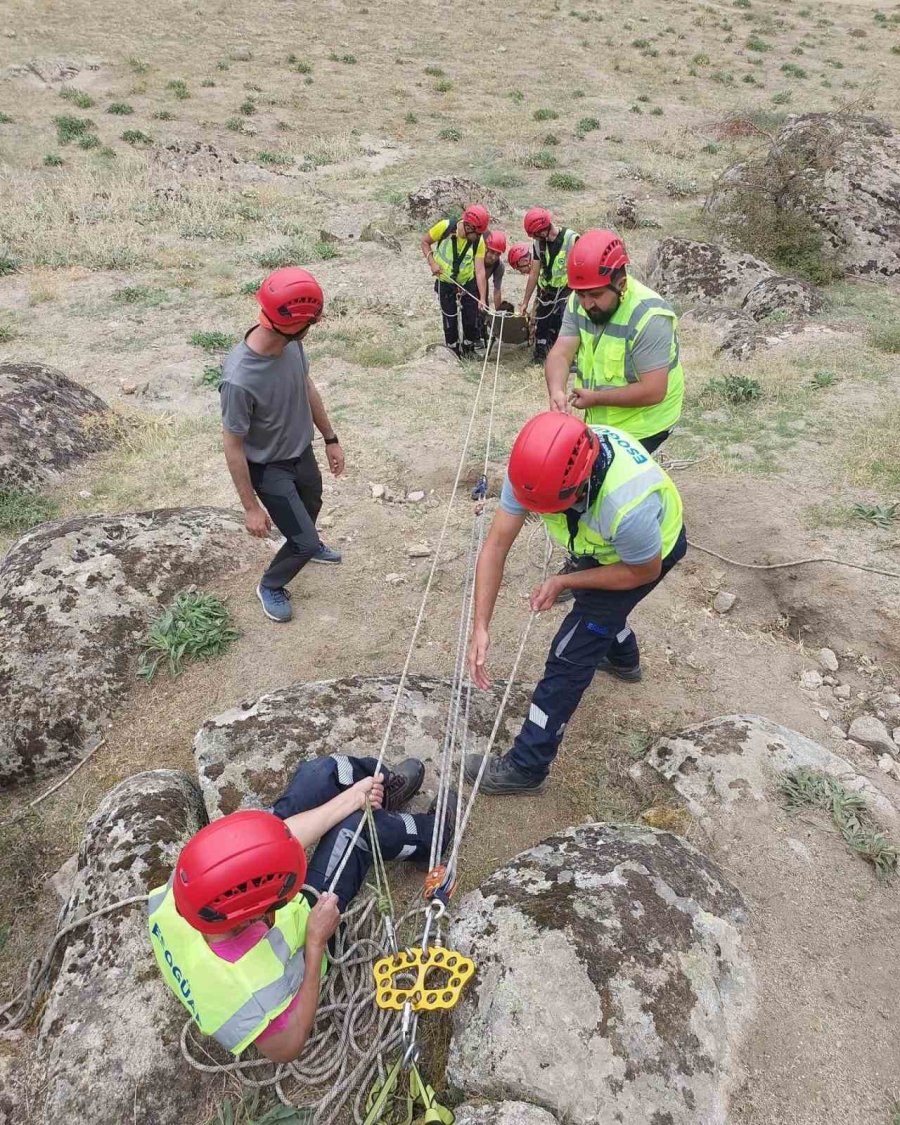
<point>736,390</point>
<point>701,59</point>
<point>348,60</point>
<point>749,79</point>
<point>657,111</point>
<point>793,70</point>
<point>196,626</point>
<point>179,88</point>
<point>587,125</point>
<point>754,43</point>
<point>302,67</point>
<point>236,125</point>
<point>641,44</point>
<point>443,86</point>
<point>76,97</point>
<point>539,159</point>
<point>120,109</point>
<point>578,94</point>
<point>137,65</point>
<point>247,107</point>
<point>70,128</point>
<point>91,140</point>
<point>822,379</point>
<point>5,119</point>
<point>741,3</point>
<point>208,83</point>
<point>502,179</point>
<point>20,511</point>
<point>138,295</point>
<point>136,137</point>
<point>275,159</point>
<point>212,341</point>
<point>645,98</point>
<point>8,264</point>
<point>164,115</point>
<point>450,133</point>
<point>212,376</point>
<point>636,108</point>
<point>550,139</point>
<point>325,251</point>
<point>710,148</point>
<point>887,339</point>
<point>250,288</point>
<point>545,114</point>
<point>782,97</point>
<point>881,515</point>
<point>434,71</point>
<point>516,96</point>
<point>285,255</point>
<point>53,160</point>
<point>7,333</point>
<point>411,118</point>
<point>106,151</point>
<point>566,181</point>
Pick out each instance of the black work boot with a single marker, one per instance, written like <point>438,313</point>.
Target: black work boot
<point>629,675</point>
<point>540,355</point>
<point>501,776</point>
<point>402,783</point>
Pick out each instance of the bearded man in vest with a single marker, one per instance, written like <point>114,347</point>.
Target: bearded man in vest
<point>605,500</point>
<point>239,939</point>
<point>454,250</point>
<point>623,338</point>
<point>547,272</point>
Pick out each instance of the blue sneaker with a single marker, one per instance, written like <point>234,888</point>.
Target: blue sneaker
<point>276,603</point>
<point>326,555</point>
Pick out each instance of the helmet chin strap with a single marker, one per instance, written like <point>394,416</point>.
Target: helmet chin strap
<point>266,323</point>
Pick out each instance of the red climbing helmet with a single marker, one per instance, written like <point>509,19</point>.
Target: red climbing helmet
<point>237,868</point>
<point>536,220</point>
<point>495,240</point>
<point>594,258</point>
<point>476,217</point>
<point>553,454</point>
<point>518,254</point>
<point>290,298</point>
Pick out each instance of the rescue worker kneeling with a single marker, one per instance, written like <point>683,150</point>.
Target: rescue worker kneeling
<point>238,940</point>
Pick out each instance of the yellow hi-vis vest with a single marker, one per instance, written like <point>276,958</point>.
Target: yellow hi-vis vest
<point>456,256</point>
<point>632,476</point>
<point>553,267</point>
<point>232,1002</point>
<point>607,362</point>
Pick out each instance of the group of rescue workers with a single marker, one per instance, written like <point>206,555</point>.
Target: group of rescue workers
<point>237,937</point>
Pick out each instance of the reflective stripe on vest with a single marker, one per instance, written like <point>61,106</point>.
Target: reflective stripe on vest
<point>457,262</point>
<point>553,266</point>
<point>607,361</point>
<point>233,1002</point>
<point>632,476</point>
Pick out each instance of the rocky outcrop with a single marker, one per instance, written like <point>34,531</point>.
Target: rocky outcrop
<point>611,983</point>
<point>726,762</point>
<point>51,71</point>
<point>506,1113</point>
<point>687,271</point>
<point>48,423</point>
<point>440,197</point>
<point>786,295</point>
<point>108,1041</point>
<point>246,756</point>
<point>75,598</point>
<point>842,171</point>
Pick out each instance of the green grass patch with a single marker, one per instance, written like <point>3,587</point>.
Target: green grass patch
<point>7,333</point>
<point>120,109</point>
<point>53,160</point>
<point>91,140</point>
<point>5,119</point>
<point>545,114</point>
<point>736,390</point>
<point>325,251</point>
<point>247,107</point>
<point>275,159</point>
<point>164,115</point>
<point>76,97</point>
<point>450,133</point>
<point>550,139</point>
<point>516,96</point>
<point>136,137</point>
<point>566,181</point>
<point>8,264</point>
<point>179,88</point>
<point>347,60</point>
<point>587,125</point>
<point>20,510</point>
<point>539,158</point>
<point>196,626</point>
<point>208,83</point>
<point>139,295</point>
<point>212,341</point>
<point>499,178</point>
<point>443,86</point>
<point>881,515</point>
<point>793,70</point>
<point>69,128</point>
<point>754,43</point>
<point>822,379</point>
<point>411,119</point>
<point>805,788</point>
<point>137,66</point>
<point>212,376</point>
<point>886,339</point>
<point>434,71</point>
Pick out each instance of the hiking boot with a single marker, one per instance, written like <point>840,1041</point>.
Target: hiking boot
<point>276,602</point>
<point>501,776</point>
<point>326,555</point>
<point>629,675</point>
<point>402,783</point>
<point>479,349</point>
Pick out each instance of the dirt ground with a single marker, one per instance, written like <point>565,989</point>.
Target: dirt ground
<point>125,250</point>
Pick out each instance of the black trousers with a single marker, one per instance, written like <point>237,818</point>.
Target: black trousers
<point>447,292</point>
<point>291,492</point>
<point>548,313</point>
<point>651,444</point>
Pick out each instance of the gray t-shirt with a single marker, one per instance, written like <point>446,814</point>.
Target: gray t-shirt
<point>266,402</point>
<point>650,351</point>
<point>638,538</point>
<point>496,274</point>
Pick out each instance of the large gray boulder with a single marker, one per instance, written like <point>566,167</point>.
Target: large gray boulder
<point>437,198</point>
<point>611,980</point>
<point>246,756</point>
<point>842,171</point>
<point>504,1113</point>
<point>48,423</point>
<point>688,271</point>
<point>782,295</point>
<point>76,596</point>
<point>109,1036</point>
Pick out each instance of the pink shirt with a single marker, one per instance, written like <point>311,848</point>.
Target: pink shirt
<point>233,949</point>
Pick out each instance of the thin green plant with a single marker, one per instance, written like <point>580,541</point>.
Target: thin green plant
<point>20,510</point>
<point>212,341</point>
<point>881,515</point>
<point>196,626</point>
<point>76,97</point>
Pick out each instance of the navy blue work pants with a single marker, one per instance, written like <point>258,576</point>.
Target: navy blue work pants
<point>400,835</point>
<point>595,630</point>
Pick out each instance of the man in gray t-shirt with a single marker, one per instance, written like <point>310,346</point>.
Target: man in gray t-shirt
<point>269,408</point>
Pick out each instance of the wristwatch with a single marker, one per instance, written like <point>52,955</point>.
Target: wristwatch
<point>334,440</point>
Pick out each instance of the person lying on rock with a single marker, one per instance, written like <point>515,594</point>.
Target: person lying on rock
<point>604,499</point>
<point>241,929</point>
<point>269,408</point>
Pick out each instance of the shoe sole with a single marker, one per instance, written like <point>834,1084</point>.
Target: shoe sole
<point>271,616</point>
<point>513,791</point>
<point>326,562</point>
<point>628,676</point>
